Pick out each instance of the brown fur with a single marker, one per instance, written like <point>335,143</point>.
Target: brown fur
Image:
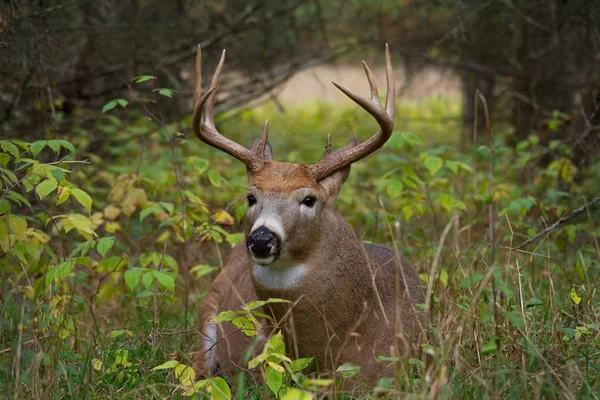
<point>282,177</point>
<point>354,303</point>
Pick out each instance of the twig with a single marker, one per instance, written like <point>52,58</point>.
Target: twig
<point>559,222</point>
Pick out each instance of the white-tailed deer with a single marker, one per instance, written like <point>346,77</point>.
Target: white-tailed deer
<point>350,302</point>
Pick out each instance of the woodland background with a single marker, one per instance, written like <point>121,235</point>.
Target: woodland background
<point>114,218</point>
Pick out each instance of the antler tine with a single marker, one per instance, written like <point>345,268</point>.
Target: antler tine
<point>372,83</point>
<point>264,140</point>
<point>197,77</point>
<point>203,118</point>
<point>385,118</point>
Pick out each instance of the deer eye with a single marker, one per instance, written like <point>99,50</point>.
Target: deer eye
<point>309,201</point>
<point>251,200</point>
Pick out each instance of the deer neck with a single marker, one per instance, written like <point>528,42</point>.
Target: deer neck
<point>330,277</point>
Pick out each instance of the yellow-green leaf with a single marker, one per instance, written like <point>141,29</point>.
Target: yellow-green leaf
<point>185,374</point>
<point>46,187</point>
<point>83,198</point>
<point>296,394</point>
<point>63,194</point>
<point>576,299</point>
<point>222,217</point>
<point>219,389</point>
<point>17,225</point>
<point>133,277</point>
<point>274,379</point>
<point>166,365</point>
<point>97,364</point>
<point>433,164</point>
<point>165,279</point>
<point>104,245</point>
<point>9,148</point>
<point>214,177</point>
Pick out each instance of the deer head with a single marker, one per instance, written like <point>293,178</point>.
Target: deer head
<point>289,204</point>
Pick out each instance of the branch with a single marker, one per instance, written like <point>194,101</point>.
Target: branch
<point>560,221</point>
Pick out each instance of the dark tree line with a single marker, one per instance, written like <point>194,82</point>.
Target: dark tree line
<point>534,61</point>
<point>59,55</point>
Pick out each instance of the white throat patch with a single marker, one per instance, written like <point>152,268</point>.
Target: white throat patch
<point>271,277</point>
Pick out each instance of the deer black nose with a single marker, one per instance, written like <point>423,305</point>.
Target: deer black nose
<point>262,242</point>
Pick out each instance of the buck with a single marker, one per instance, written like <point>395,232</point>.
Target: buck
<point>349,302</point>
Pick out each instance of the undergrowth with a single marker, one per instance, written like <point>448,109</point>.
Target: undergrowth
<point>108,246</point>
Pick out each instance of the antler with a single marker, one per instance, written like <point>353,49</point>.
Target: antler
<point>332,162</point>
<point>204,123</point>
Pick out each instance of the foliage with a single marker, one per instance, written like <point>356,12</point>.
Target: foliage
<point>107,249</point>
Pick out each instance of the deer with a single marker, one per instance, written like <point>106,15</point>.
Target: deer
<point>349,302</point>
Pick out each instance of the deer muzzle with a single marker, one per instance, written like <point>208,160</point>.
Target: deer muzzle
<point>263,245</point>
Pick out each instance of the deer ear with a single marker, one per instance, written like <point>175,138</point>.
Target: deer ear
<point>332,184</point>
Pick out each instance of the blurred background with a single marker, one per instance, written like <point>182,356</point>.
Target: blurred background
<point>531,60</point>
<point>115,218</point>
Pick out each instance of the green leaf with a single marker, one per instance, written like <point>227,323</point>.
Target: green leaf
<point>46,187</point>
<point>297,394</point>
<point>113,103</point>
<point>67,145</point>
<point>412,139</point>
<point>148,278</point>
<point>433,164</point>
<point>259,303</point>
<point>223,316</point>
<point>533,302</point>
<point>166,365</point>
<point>200,164</point>
<point>576,299</point>
<point>4,206</point>
<point>348,370</point>
<point>58,174</point>
<point>36,147</point>
<point>219,389</point>
<point>185,374</point>
<point>299,364</point>
<point>18,198</point>
<point>83,198</point>
<point>17,225</point>
<point>515,318</point>
<point>165,92</point>
<point>447,201</point>
<point>120,332</point>
<point>9,148</point>
<point>215,178</point>
<point>169,207</point>
<point>54,145</point>
<point>316,383</point>
<point>64,193</point>
<point>489,348</point>
<point>166,280</point>
<point>143,78</point>
<point>109,106</point>
<point>394,188</point>
<point>245,325</point>
<point>201,270</point>
<point>133,277</point>
<point>274,379</point>
<point>149,210</point>
<point>104,245</point>
<point>483,151</point>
